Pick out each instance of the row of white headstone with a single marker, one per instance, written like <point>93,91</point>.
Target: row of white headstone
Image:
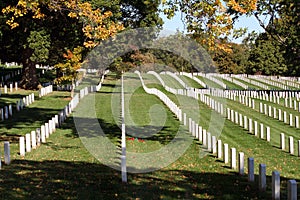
<point>7,111</point>
<point>190,75</point>
<point>270,111</point>
<point>291,148</point>
<point>45,90</point>
<point>123,135</point>
<point>212,78</point>
<point>215,146</point>
<point>253,82</point>
<point>10,75</point>
<point>37,137</point>
<point>272,96</point>
<point>210,142</point>
<point>173,75</point>
<point>247,124</point>
<point>163,97</point>
<point>11,88</point>
<point>270,82</point>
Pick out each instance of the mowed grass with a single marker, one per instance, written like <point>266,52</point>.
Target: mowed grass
<point>190,82</point>
<point>170,81</point>
<point>63,168</point>
<point>13,97</point>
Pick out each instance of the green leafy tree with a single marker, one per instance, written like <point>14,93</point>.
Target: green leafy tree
<point>234,62</point>
<point>267,57</point>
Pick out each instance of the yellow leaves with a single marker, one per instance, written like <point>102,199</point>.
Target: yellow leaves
<point>90,44</point>
<point>72,15</point>
<point>70,66</point>
<point>22,9</point>
<point>244,6</point>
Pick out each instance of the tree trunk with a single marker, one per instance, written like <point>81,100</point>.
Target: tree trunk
<point>29,78</point>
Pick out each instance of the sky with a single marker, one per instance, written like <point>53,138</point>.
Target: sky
<point>175,23</point>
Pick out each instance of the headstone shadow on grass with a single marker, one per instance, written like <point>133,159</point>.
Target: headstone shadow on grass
<point>83,180</point>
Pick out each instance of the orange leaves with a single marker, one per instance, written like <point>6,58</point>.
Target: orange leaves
<point>97,25</point>
<point>70,66</point>
<point>244,6</point>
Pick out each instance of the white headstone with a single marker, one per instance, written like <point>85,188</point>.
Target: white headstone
<point>236,117</point>
<point>279,115</point>
<point>241,163</point>
<point>43,134</point>
<point>10,110</point>
<point>291,145</point>
<point>250,126</point>
<point>28,142</point>
<point>275,185</point>
<point>261,131</point>
<point>251,169</point>
<point>255,128</point>
<point>262,177</point>
<point>297,122</point>
<point>204,139</point>
<point>284,117</point>
<point>38,136</point>
<point>214,144</point>
<point>220,149</point>
<point>292,190</point>
<point>5,112</point>
<point>245,122</point>
<point>200,134</point>
<point>209,144</point>
<point>233,158</point>
<point>22,146</point>
<point>268,135</point>
<point>6,153</point>
<point>282,141</point>
<point>47,130</point>
<point>291,120</point>
<point>33,139</point>
<point>226,154</point>
<point>241,120</point>
<point>50,126</point>
<point>123,169</point>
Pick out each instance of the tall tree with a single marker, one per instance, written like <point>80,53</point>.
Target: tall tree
<point>209,22</point>
<point>266,57</point>
<point>234,62</point>
<point>281,21</point>
<point>70,24</point>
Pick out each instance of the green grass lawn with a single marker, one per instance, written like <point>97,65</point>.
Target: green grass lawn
<point>190,82</point>
<point>250,86</point>
<point>230,85</point>
<point>170,81</point>
<point>209,83</point>
<point>64,169</point>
